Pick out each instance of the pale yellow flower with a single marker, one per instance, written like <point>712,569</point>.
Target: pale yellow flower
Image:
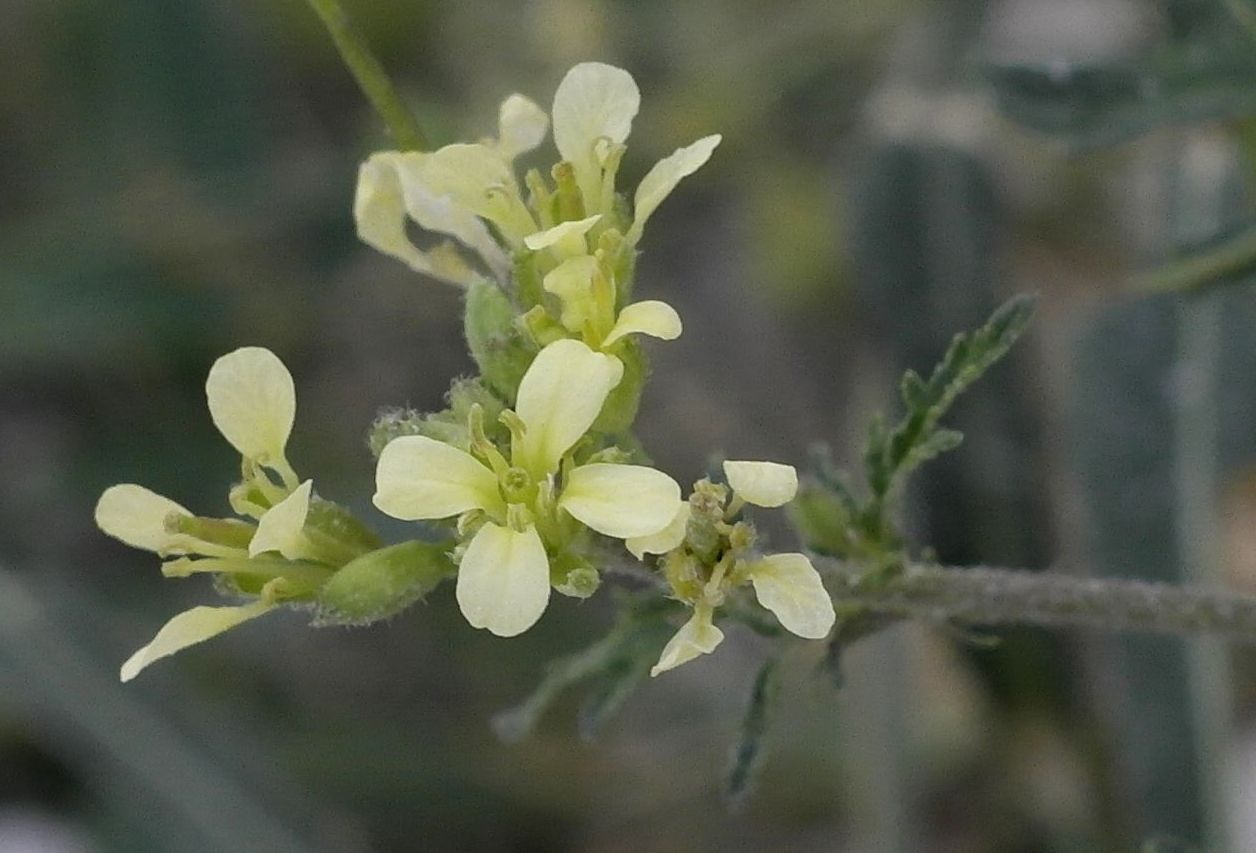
<point>252,402</point>
<point>470,192</point>
<point>593,111</point>
<point>787,585</point>
<point>503,581</point>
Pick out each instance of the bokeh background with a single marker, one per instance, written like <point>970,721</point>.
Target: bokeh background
<point>176,181</point>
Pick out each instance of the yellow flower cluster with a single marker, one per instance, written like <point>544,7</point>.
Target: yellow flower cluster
<point>525,497</point>
<point>277,557</point>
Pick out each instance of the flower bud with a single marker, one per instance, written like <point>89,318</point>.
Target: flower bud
<point>821,521</point>
<point>498,347</point>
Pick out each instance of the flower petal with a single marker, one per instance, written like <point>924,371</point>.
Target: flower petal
<point>572,282</point>
<point>421,478</point>
<point>280,528</point>
<point>380,207</point>
<point>698,636</point>
<point>622,501</point>
<point>503,580</point>
<point>449,189</point>
<point>137,516</point>
<point>652,317</point>
<point>593,101</point>
<point>789,586</point>
<point>765,484</point>
<point>466,172</point>
<point>521,126</point>
<point>562,234</point>
<point>253,402</point>
<point>665,540</point>
<point>663,178</point>
<point>189,628</point>
<point>559,398</point>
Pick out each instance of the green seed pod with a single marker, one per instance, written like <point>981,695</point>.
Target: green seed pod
<point>382,583</point>
<point>498,347</point>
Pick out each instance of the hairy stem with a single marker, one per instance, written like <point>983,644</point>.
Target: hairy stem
<point>371,77</point>
<point>988,596</point>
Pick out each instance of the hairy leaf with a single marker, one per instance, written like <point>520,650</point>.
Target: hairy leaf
<point>635,641</point>
<point>749,753</point>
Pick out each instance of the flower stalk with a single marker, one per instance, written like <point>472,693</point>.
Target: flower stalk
<point>370,75</point>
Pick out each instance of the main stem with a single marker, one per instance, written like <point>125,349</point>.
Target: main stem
<point>987,596</point>
<point>370,75</point>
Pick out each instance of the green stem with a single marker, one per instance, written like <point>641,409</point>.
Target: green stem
<point>371,77</point>
<point>988,596</point>
<point>1234,256</point>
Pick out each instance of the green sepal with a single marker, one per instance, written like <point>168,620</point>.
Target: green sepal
<point>337,531</point>
<point>383,583</point>
<point>620,409</point>
<point>501,351</point>
<point>448,425</point>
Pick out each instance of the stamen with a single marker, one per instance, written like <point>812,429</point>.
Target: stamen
<point>481,446</point>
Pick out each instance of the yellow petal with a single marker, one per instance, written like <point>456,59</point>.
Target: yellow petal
<point>789,586</point>
<point>622,501</point>
<point>665,540</point>
<point>652,317</point>
<point>253,403</point>
<point>521,126</point>
<point>380,207</point>
<point>559,398</point>
<point>421,478</point>
<point>663,178</point>
<point>468,173</point>
<point>572,282</point>
<point>281,527</point>
<point>189,628</point>
<point>765,484</point>
<point>503,580</point>
<point>698,636</point>
<point>567,238</point>
<point>593,102</point>
<point>137,516</point>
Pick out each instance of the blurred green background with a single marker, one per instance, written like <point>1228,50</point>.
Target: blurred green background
<point>176,181</point>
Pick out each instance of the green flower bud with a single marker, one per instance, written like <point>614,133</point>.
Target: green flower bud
<point>704,533</point>
<point>500,350</point>
<point>382,583</point>
<point>821,521</point>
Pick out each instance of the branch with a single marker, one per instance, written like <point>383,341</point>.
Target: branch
<point>371,77</point>
<point>1218,265</point>
<point>990,596</point>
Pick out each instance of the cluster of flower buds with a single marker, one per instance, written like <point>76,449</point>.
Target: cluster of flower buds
<point>533,465</point>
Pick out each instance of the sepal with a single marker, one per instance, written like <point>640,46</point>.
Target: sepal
<point>382,583</point>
